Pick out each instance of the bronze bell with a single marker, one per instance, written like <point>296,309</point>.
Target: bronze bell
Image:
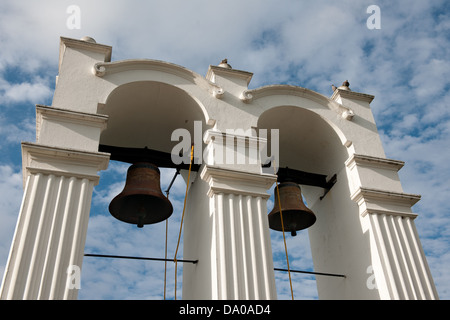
<point>141,201</point>
<point>296,216</point>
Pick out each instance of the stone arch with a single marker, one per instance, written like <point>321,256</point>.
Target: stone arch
<point>309,142</point>
<point>274,96</point>
<point>308,133</point>
<point>145,113</point>
<point>154,72</point>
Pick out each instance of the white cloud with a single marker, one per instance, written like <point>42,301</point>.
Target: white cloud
<point>14,133</point>
<point>36,91</point>
<point>431,79</point>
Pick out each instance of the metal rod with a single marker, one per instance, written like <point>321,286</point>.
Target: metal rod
<point>311,272</point>
<point>196,261</point>
<point>173,180</point>
<point>138,258</point>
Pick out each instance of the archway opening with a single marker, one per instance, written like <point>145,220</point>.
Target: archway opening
<point>145,113</point>
<point>307,143</point>
<point>141,114</point>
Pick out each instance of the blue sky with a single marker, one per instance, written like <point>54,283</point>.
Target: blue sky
<point>312,44</point>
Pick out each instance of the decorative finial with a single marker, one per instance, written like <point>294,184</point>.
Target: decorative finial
<point>224,64</point>
<point>345,86</point>
<point>88,39</point>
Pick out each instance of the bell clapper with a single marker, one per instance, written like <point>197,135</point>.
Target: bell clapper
<point>140,222</point>
<point>141,214</point>
<point>293,229</point>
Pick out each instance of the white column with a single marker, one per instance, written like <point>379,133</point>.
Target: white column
<point>243,267</point>
<point>48,243</point>
<point>226,225</point>
<point>399,263</point>
<point>232,240</point>
<point>403,262</point>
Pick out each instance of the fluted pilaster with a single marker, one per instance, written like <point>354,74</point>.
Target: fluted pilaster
<point>238,259</point>
<point>49,240</point>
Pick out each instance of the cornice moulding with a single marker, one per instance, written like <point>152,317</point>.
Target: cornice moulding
<point>98,120</point>
<point>367,194</point>
<point>83,45</point>
<point>363,160</point>
<point>347,94</point>
<point>99,160</point>
<point>244,75</point>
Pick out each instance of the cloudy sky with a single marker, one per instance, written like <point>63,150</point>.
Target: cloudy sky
<point>311,44</point>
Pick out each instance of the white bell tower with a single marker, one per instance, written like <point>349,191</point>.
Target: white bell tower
<point>364,219</point>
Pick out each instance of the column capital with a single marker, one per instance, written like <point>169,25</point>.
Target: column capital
<point>234,149</point>
<point>374,201</point>
<point>375,194</point>
<point>228,181</point>
<point>62,161</point>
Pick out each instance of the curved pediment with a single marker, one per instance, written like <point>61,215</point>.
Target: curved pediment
<point>290,90</point>
<point>103,69</point>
